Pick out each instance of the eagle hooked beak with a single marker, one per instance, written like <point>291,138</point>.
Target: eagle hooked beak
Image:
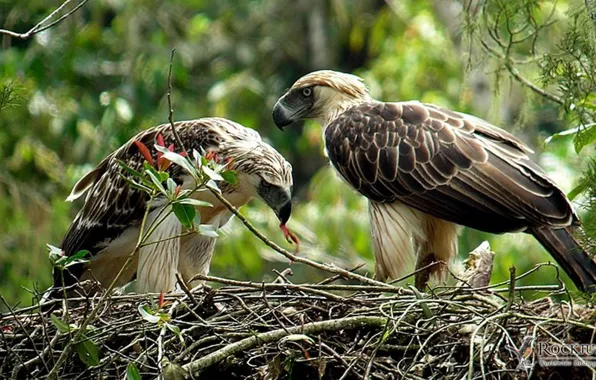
<point>278,199</point>
<point>284,212</point>
<point>292,107</point>
<point>282,115</point>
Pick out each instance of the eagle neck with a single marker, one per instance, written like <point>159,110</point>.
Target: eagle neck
<point>341,107</point>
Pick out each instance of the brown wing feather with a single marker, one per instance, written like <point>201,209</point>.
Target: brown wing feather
<point>447,164</point>
<point>112,206</point>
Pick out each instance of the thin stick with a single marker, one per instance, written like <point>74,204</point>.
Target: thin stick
<point>512,280</point>
<point>39,27</point>
<point>25,331</point>
<point>292,257</point>
<point>278,286</point>
<point>170,108</point>
<point>103,299</point>
<point>349,323</point>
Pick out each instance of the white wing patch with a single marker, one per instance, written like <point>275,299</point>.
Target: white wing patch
<point>158,262</point>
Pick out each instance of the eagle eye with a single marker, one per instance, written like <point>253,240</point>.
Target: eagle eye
<point>307,91</point>
<point>266,184</point>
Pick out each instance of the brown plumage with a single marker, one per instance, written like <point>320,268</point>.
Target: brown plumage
<point>427,169</point>
<point>108,224</point>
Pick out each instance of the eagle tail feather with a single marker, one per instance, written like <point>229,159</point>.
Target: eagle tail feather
<point>567,252</point>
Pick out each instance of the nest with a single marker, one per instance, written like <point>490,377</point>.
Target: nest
<point>281,330</point>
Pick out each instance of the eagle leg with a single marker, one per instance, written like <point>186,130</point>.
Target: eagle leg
<point>423,275</point>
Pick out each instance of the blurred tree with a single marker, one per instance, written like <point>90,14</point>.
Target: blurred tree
<point>82,88</point>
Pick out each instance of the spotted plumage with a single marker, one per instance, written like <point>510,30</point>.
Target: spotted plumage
<point>109,222</point>
<point>427,170</point>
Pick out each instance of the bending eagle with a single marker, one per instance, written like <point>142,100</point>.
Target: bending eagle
<point>108,224</point>
<point>426,170</point>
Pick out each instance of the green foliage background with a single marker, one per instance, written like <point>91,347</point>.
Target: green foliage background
<point>82,88</point>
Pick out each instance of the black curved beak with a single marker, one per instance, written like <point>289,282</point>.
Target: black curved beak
<point>282,116</point>
<point>284,212</point>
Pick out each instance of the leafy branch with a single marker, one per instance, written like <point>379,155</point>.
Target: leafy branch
<point>512,34</point>
<point>155,181</point>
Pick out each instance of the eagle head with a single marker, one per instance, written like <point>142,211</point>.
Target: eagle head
<point>262,173</point>
<point>320,95</point>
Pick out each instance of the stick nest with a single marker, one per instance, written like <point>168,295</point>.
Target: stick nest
<point>281,330</point>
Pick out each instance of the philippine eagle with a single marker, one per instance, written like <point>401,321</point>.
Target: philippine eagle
<point>108,225</point>
<point>426,169</point>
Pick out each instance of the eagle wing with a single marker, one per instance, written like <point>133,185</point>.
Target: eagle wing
<point>112,206</point>
<point>450,165</point>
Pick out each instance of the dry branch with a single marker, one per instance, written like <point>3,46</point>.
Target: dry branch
<point>251,330</point>
<point>45,24</point>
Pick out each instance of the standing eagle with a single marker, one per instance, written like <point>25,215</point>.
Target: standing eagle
<point>426,170</point>
<point>108,225</point>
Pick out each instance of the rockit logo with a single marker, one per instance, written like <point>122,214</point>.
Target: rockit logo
<point>552,354</point>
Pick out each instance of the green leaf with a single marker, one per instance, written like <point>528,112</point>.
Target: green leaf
<point>171,186</point>
<point>558,135</point>
<point>147,314</point>
<point>213,185</point>
<point>577,190</point>
<point>135,185</point>
<point>78,257</point>
<point>198,162</point>
<point>194,202</point>
<point>212,173</point>
<point>185,213</point>
<point>156,181</point>
<point>62,326</point>
<point>132,372</point>
<point>176,330</point>
<point>162,176</point>
<point>197,219</point>
<point>56,255</point>
<point>208,230</point>
<point>88,352</point>
<point>229,176</point>
<point>179,160</point>
<point>586,135</point>
<point>128,169</point>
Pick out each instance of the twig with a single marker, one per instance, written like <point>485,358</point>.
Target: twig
<point>103,299</point>
<point>170,108</point>
<point>162,333</point>
<point>10,351</point>
<point>337,276</point>
<point>518,77</point>
<point>289,285</point>
<point>196,366</point>
<point>24,330</point>
<point>291,256</point>
<point>277,286</point>
<point>512,280</point>
<point>186,290</point>
<point>516,74</point>
<point>39,27</point>
<point>419,270</point>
